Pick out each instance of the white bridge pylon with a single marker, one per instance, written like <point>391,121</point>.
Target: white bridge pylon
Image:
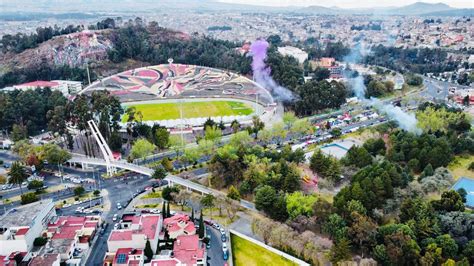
<point>103,146</point>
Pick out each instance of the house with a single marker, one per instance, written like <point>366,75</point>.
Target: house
<point>125,257</point>
<point>295,52</point>
<point>46,259</point>
<point>135,231</point>
<point>70,234</point>
<point>66,87</point>
<point>20,226</point>
<point>178,225</point>
<point>187,251</point>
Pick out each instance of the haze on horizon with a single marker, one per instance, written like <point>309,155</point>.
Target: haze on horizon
<point>350,3</point>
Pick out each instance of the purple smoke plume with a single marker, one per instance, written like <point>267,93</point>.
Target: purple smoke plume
<point>261,72</point>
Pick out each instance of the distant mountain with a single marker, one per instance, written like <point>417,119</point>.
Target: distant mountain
<point>468,12</point>
<point>419,8</point>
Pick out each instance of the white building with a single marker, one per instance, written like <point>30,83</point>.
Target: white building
<point>20,226</point>
<point>66,87</point>
<point>135,231</point>
<point>295,52</point>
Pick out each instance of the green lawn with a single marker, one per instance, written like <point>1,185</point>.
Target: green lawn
<point>459,165</point>
<point>246,253</point>
<point>164,111</point>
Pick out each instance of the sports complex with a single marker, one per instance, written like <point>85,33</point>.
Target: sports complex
<point>176,94</point>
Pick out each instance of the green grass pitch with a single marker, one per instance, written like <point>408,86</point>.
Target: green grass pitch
<point>165,111</point>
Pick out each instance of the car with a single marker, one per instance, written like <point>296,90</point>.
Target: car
<point>97,211</point>
<point>116,226</point>
<point>67,205</point>
<point>208,245</point>
<point>4,187</point>
<point>80,210</point>
<point>224,238</point>
<point>225,256</point>
<point>24,184</point>
<point>148,188</point>
<point>115,217</point>
<point>224,247</point>
<point>222,231</point>
<point>119,206</point>
<point>172,213</point>
<point>155,211</point>
<point>217,226</point>
<point>10,186</point>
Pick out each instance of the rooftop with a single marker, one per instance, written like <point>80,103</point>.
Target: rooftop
<point>46,259</point>
<point>147,226</point>
<point>24,215</point>
<point>187,250</point>
<point>38,83</point>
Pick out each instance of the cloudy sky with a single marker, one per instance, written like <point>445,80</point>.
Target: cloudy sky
<point>350,3</point>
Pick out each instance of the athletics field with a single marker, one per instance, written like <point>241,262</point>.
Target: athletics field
<point>171,110</point>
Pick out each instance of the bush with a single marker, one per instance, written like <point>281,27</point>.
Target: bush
<point>166,194</point>
<point>96,192</point>
<point>28,198</point>
<point>471,166</point>
<point>78,191</point>
<point>40,241</point>
<point>35,184</point>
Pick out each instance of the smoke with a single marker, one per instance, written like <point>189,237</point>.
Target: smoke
<point>404,120</point>
<point>261,72</point>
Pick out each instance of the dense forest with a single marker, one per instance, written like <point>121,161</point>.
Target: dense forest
<point>418,60</point>
<point>19,42</point>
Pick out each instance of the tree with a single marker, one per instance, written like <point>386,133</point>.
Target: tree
<point>450,201</point>
<point>463,193</point>
<point>176,144</point>
<point>321,73</point>
<point>428,171</point>
<point>299,204</point>
<point>335,227</point>
<point>233,193</point>
<point>40,241</point>
<point>96,193</point>
<point>363,231</point>
<point>168,209</point>
<point>212,133</point>
<point>148,251</point>
<point>469,251</point>
<point>161,137</point>
<point>240,139</point>
<point>28,198</point>
<point>182,197</point>
<point>289,119</point>
<point>264,198</point>
<point>141,148</point>
<point>35,184</point>
<point>168,191</point>
<point>358,156</point>
<point>448,246</point>
<point>78,191</point>
<point>340,251</point>
<point>191,155</point>
<point>159,173</point>
<point>115,141</point>
<point>235,125</point>
<point>208,202</point>
<point>167,164</point>
<point>163,210</point>
<point>257,125</point>
<point>17,174</point>
<point>201,226</point>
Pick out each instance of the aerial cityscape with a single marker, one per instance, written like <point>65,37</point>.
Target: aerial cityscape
<point>236,132</point>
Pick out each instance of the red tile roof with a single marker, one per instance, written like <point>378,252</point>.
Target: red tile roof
<point>164,262</point>
<point>39,83</point>
<point>22,231</point>
<point>186,249</point>
<point>120,235</point>
<point>67,232</point>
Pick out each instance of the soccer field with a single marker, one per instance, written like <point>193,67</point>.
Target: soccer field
<point>165,111</point>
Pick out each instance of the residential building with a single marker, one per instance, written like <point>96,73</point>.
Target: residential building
<point>295,52</point>
<point>20,226</point>
<point>66,87</point>
<point>187,251</point>
<point>179,224</point>
<point>135,231</point>
<point>46,259</point>
<point>125,257</point>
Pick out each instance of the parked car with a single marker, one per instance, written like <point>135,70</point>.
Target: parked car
<point>116,226</point>
<point>119,206</point>
<point>224,238</point>
<point>115,217</point>
<point>222,231</point>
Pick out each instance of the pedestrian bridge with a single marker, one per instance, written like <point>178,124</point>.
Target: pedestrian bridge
<point>172,179</point>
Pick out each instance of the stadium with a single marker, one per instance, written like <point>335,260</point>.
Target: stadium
<point>176,94</point>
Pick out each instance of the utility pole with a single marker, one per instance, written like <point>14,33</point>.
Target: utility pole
<point>88,74</point>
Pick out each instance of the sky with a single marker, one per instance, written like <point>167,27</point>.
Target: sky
<point>350,3</point>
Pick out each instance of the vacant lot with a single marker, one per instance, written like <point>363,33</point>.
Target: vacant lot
<point>459,166</point>
<point>165,111</point>
<point>249,254</point>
